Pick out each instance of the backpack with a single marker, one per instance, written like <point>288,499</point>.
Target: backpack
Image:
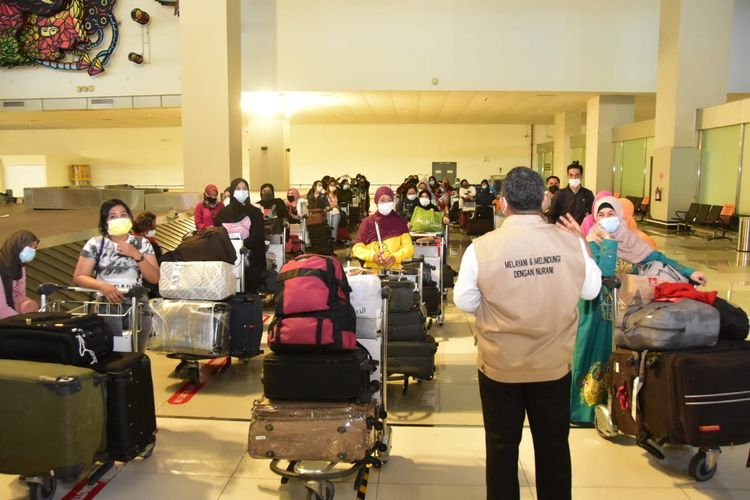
<point>313,310</point>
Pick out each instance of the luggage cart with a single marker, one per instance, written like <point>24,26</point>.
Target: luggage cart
<point>703,464</point>
<point>318,476</point>
<point>435,256</point>
<point>128,318</point>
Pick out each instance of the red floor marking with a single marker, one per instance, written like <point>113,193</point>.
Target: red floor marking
<point>187,390</point>
<point>84,491</point>
<point>266,317</point>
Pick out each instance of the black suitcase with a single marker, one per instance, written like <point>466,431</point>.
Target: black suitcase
<point>484,212</point>
<point>308,376</point>
<point>699,397</point>
<point>403,296</point>
<point>432,300</point>
<point>406,325</point>
<point>413,358</point>
<point>318,231</point>
<point>55,337</point>
<point>321,246</point>
<point>478,227</point>
<point>245,325</point>
<point>131,413</point>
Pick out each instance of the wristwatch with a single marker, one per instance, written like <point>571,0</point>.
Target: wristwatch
<point>141,259</point>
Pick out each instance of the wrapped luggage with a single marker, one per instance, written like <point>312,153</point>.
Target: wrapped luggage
<point>311,430</point>
<point>367,301</point>
<point>208,280</point>
<point>190,327</point>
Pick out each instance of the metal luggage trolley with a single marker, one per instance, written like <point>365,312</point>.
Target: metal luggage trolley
<point>703,464</point>
<point>318,476</point>
<point>435,258</point>
<point>128,318</point>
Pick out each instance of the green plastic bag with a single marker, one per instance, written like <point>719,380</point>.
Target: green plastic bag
<point>426,221</point>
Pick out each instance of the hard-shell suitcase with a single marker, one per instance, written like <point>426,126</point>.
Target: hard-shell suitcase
<point>55,337</point>
<point>406,325</point>
<point>311,430</point>
<point>413,358</point>
<point>432,300</point>
<point>319,377</point>
<point>53,418</point>
<point>699,397</point>
<point>245,325</point>
<point>212,280</point>
<point>131,415</point>
<point>190,327</point>
<point>623,368</point>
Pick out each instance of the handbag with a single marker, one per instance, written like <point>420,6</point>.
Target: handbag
<point>427,221</point>
<point>316,216</point>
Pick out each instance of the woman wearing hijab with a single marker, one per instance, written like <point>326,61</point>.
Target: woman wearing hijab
<point>616,249</point>
<point>628,209</point>
<point>206,210</point>
<point>292,202</point>
<point>484,194</point>
<point>240,207</point>
<point>18,250</point>
<point>274,209</point>
<point>590,219</point>
<point>383,239</point>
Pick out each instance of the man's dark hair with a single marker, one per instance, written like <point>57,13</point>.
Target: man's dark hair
<point>577,165</point>
<point>552,177</point>
<point>523,189</point>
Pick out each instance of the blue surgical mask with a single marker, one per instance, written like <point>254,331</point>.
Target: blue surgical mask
<point>27,254</point>
<point>610,224</point>
<point>241,195</point>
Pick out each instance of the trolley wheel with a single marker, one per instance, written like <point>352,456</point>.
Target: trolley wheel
<point>328,490</point>
<point>194,374</point>
<point>699,468</point>
<point>148,450</point>
<point>441,321</point>
<point>43,489</point>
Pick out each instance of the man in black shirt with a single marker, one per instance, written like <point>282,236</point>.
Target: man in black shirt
<point>574,198</point>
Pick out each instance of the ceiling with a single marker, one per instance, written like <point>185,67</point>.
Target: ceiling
<point>469,107</point>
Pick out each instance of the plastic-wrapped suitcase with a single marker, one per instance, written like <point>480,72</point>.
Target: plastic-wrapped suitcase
<point>245,325</point>
<point>408,325</point>
<point>413,358</point>
<point>53,418</point>
<point>319,376</point>
<point>311,430</point>
<point>131,415</point>
<point>210,280</point>
<point>190,327</point>
<point>55,337</point>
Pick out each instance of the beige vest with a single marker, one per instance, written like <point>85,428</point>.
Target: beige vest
<point>530,275</point>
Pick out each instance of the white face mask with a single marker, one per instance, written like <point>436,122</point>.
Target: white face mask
<point>241,195</point>
<point>610,224</point>
<point>345,187</point>
<point>385,208</point>
<point>151,234</point>
<point>320,189</point>
<point>411,197</point>
<point>424,201</point>
<point>574,182</point>
<point>332,188</point>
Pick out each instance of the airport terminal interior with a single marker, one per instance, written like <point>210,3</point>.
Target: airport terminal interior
<point>651,97</point>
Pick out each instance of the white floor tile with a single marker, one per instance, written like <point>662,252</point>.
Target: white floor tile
<point>437,492</point>
<point>715,494</point>
<point>623,493</point>
<point>240,488</point>
<point>129,485</point>
<point>731,472</point>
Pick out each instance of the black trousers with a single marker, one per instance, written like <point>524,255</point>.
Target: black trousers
<point>548,407</point>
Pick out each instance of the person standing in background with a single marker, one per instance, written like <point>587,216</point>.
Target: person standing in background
<point>206,210</point>
<point>574,199</point>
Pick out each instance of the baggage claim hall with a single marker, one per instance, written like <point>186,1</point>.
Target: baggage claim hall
<point>331,114</point>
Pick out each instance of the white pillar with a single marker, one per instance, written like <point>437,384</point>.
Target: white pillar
<point>268,158</point>
<point>567,125</point>
<point>603,113</point>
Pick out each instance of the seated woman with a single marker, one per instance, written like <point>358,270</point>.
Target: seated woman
<point>292,202</point>
<point>407,203</point>
<point>616,249</point>
<point>383,239</point>
<point>18,250</point>
<point>240,207</point>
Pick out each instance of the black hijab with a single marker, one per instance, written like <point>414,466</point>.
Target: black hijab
<point>236,211</point>
<point>267,203</point>
<point>11,267</point>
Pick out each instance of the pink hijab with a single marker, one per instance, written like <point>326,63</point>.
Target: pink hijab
<point>295,193</point>
<point>630,246</point>
<point>590,220</point>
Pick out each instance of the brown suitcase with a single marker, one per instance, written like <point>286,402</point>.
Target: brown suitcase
<point>316,216</point>
<point>294,430</point>
<point>623,369</point>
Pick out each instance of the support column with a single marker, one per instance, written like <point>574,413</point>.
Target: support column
<point>268,158</point>
<point>693,72</point>
<point>211,92</point>
<point>603,113</point>
<point>567,125</point>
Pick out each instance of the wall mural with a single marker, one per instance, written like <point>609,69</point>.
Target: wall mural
<point>77,35</point>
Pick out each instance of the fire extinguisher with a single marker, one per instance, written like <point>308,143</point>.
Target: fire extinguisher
<point>657,194</point>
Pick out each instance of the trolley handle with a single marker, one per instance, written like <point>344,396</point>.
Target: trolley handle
<point>50,288</point>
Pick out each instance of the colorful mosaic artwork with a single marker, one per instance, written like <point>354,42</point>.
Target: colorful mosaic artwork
<point>77,35</point>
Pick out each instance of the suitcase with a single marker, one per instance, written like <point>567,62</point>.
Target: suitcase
<point>245,325</point>
<point>413,358</point>
<point>311,431</point>
<point>485,212</point>
<point>210,245</point>
<point>403,295</point>
<point>367,300</point>
<point>699,397</point>
<point>432,300</point>
<point>190,327</point>
<point>52,416</point>
<point>354,216</point>
<point>733,321</point>
<point>321,246</point>
<point>319,231</point>
<point>197,280</point>
<point>131,414</point>
<point>623,369</point>
<point>319,377</point>
<point>406,325</point>
<point>55,337</point>
<point>478,227</point>
<point>316,217</point>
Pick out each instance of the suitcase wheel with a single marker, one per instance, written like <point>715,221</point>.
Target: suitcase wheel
<point>703,465</point>
<point>148,450</point>
<point>42,488</point>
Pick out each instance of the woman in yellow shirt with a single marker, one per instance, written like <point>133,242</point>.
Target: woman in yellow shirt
<point>383,239</point>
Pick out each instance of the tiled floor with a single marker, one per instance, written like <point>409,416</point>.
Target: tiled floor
<point>438,446</point>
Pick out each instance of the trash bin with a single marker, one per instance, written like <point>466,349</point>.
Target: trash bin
<point>743,238</point>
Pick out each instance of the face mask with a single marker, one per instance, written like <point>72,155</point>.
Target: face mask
<point>574,182</point>
<point>211,200</point>
<point>226,201</point>
<point>411,197</point>
<point>119,227</point>
<point>484,186</point>
<point>610,224</point>
<point>424,201</point>
<point>320,189</point>
<point>553,188</point>
<point>345,187</point>
<point>385,208</point>
<point>151,234</point>
<point>241,195</point>
<point>290,197</point>
<point>27,255</point>
<point>332,188</point>
<point>267,196</point>
<point>432,183</point>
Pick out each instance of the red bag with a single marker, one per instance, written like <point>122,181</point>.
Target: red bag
<point>342,234</point>
<point>293,244</point>
<point>324,332</point>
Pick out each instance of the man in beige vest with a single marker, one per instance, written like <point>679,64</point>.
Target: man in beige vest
<point>523,282</point>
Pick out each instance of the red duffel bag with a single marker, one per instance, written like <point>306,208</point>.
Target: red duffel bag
<point>326,331</point>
